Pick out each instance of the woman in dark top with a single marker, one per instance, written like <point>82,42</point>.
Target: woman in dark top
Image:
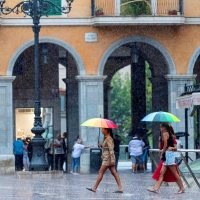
<point>168,159</point>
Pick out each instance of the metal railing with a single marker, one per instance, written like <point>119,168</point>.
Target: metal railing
<point>156,7</point>
<point>123,156</point>
<point>152,156</point>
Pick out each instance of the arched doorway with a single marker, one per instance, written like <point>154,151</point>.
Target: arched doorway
<point>58,89</point>
<point>121,54</point>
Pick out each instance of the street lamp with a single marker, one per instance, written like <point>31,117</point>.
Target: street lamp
<point>36,9</point>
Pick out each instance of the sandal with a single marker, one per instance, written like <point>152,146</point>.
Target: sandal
<point>152,190</point>
<point>118,191</point>
<point>180,191</point>
<point>90,189</point>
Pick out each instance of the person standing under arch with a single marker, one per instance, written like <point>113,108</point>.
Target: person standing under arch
<point>117,139</point>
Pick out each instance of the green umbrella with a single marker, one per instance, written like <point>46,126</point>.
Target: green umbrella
<point>160,117</point>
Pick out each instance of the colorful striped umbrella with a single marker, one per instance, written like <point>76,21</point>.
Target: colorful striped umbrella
<point>160,117</point>
<point>99,122</point>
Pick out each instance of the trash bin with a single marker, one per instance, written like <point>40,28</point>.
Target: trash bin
<point>95,160</point>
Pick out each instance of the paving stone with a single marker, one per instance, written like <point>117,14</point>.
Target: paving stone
<point>71,187</point>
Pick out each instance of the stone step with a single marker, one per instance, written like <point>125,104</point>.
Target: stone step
<point>39,174</point>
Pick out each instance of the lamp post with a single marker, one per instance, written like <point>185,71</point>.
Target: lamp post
<point>36,9</point>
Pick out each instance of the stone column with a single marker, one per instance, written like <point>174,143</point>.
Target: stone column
<point>117,7</point>
<point>138,92</point>
<point>154,7</point>
<point>7,160</point>
<point>176,85</point>
<point>107,91</point>
<point>90,106</point>
<point>159,103</point>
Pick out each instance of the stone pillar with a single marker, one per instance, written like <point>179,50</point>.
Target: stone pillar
<point>107,91</point>
<point>159,103</point>
<point>117,7</point>
<point>7,160</point>
<point>176,85</point>
<point>90,106</point>
<point>72,116</point>
<point>138,92</point>
<point>154,7</point>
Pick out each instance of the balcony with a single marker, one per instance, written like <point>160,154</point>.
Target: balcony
<point>116,13</point>
<point>124,12</point>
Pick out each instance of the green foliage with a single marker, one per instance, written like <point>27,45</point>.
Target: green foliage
<point>148,100</point>
<point>121,104</point>
<point>148,93</point>
<point>135,8</point>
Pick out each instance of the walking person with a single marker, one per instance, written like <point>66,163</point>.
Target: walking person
<point>117,140</point>
<point>135,149</point>
<point>77,149</point>
<point>167,155</point>
<point>108,158</point>
<point>168,176</point>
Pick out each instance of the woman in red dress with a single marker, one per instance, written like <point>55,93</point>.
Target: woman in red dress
<point>168,177</point>
<point>164,173</point>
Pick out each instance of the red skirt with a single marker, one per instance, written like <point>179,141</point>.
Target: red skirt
<point>168,177</point>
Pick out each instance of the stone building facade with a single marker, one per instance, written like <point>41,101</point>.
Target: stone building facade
<point>95,47</point>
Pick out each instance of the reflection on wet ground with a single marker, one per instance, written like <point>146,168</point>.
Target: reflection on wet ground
<point>71,187</point>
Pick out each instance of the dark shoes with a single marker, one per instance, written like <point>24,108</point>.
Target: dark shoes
<point>90,189</point>
<point>180,191</point>
<point>152,190</point>
<point>118,191</point>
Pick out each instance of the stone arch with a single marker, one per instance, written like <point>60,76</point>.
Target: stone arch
<point>155,44</point>
<point>65,45</point>
<point>193,59</point>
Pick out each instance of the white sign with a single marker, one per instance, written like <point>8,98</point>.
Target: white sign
<point>188,100</point>
<point>90,37</point>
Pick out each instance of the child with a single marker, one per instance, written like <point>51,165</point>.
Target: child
<point>78,147</point>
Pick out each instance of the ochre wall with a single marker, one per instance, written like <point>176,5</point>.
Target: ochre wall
<point>191,8</point>
<point>173,38</point>
<point>80,8</point>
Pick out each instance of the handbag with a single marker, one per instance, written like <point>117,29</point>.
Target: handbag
<point>170,158</point>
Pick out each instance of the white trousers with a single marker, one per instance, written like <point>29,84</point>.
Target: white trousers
<point>26,163</point>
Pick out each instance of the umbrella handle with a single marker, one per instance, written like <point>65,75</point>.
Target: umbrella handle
<point>99,132</point>
<point>99,136</point>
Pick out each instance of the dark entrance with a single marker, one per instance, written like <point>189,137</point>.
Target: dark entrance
<point>57,68</point>
<point>136,55</point>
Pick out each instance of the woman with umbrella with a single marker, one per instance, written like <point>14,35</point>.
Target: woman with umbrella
<point>108,158</point>
<point>167,161</point>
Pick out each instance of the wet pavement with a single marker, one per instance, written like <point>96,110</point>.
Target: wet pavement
<point>73,187</point>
